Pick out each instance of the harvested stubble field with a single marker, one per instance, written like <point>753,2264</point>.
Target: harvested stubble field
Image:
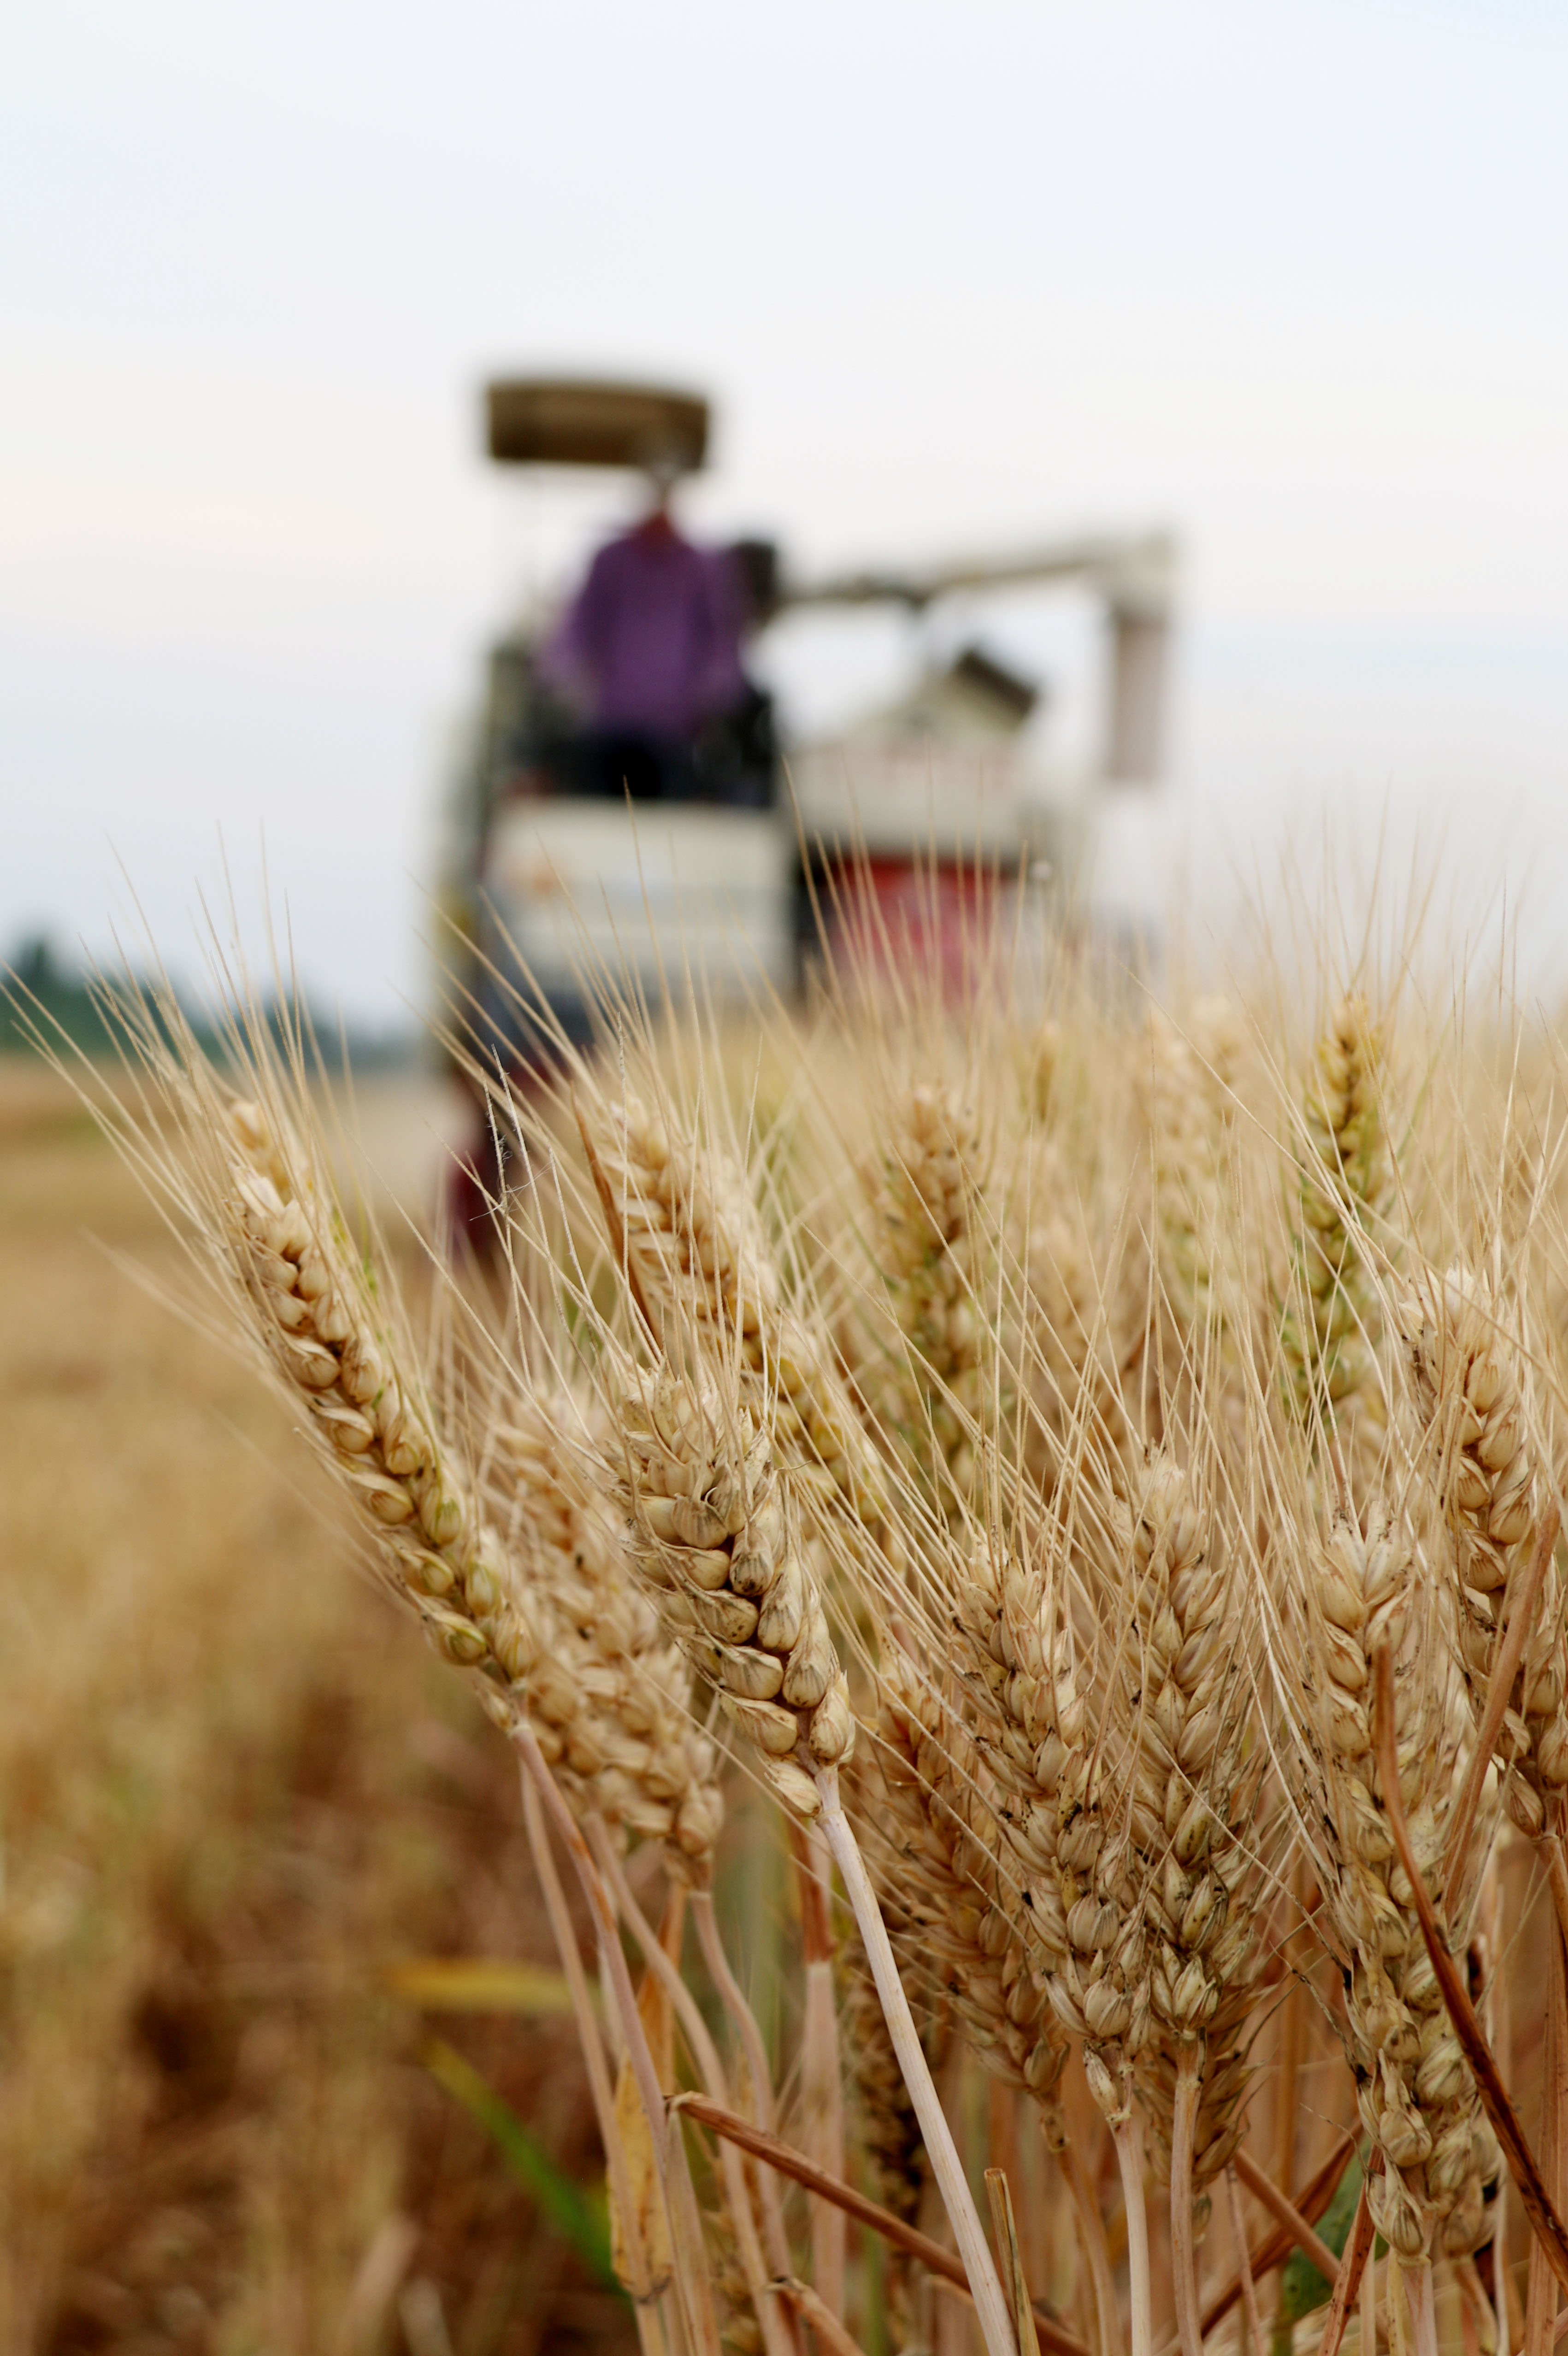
<point>1018,1550</point>
<point>234,1788</point>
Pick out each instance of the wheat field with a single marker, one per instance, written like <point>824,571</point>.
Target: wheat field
<point>1012,1539</point>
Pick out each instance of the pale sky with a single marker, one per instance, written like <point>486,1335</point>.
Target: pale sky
<point>1290,277</point>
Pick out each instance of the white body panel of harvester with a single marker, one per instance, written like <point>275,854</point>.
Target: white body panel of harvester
<point>676,897</point>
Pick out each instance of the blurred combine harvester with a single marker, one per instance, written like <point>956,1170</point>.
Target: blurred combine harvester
<point>907,806</point>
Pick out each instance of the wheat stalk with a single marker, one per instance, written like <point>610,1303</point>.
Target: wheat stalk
<point>889,2131</point>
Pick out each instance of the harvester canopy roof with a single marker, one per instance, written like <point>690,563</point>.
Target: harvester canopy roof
<point>577,422</point>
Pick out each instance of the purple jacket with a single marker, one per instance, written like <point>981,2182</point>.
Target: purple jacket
<point>652,641</point>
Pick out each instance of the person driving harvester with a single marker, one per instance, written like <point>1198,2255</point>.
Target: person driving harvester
<point>650,651</point>
<point>648,658</point>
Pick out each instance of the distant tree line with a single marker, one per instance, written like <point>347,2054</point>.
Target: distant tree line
<point>44,993</point>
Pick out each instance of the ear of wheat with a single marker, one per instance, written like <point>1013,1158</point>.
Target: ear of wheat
<point>1417,2099</point>
<point>934,1844</point>
<point>1473,1402</point>
<point>925,1370</point>
<point>1206,1842</point>
<point>1332,1318</point>
<point>312,1312</point>
<point>553,1622</point>
<point>696,1250</point>
<point>611,1698</point>
<point>1187,1112</point>
<point>712,1536</point>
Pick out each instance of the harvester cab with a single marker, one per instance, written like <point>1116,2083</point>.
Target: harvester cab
<point>734,875</point>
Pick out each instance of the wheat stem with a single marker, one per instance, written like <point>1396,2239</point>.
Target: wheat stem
<point>1129,2146</point>
<point>1310,2243</point>
<point>1093,2249</point>
<point>990,2305</point>
<point>1275,2247</point>
<point>1541,2298</point>
<point>741,2015</point>
<point>1497,2016</point>
<point>664,2131</point>
<point>895,2230</point>
<point>1552,1849</point>
<point>1478,2320</point>
<point>1396,2304</point>
<point>1189,2083</point>
<point>821,2103</point>
<point>821,2073</point>
<point>1004,2229</point>
<point>624,1993</point>
<point>1249,2287</point>
<point>1423,2306</point>
<point>572,1967</point>
<point>814,2309</point>
<point>702,2330</point>
<point>1352,2265</point>
<point>777,2329</point>
<point>745,2022</point>
<point>588,2036</point>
